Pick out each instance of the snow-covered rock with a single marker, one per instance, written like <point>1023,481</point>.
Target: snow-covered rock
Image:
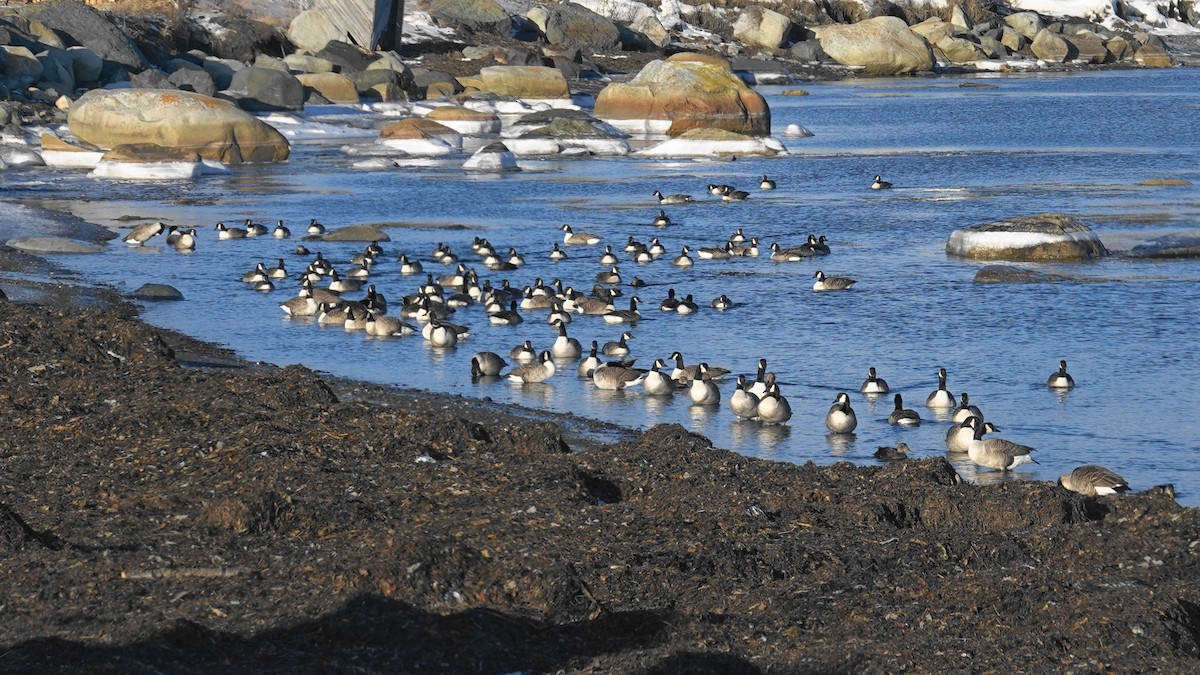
<point>698,143</point>
<point>493,157</point>
<point>1049,236</point>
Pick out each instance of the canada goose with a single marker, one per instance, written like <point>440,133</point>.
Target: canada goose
<point>143,233</point>
<point>456,278</point>
<point>630,315</point>
<point>300,249</point>
<point>565,346</point>
<point>661,220</point>
<point>409,267</point>
<point>718,190</point>
<point>441,335</point>
<point>824,283</point>
<point>1060,379</point>
<point>959,436</point>
<point>618,348</point>
<point>779,254</point>
<point>940,397</point>
<point>558,314</point>
<point>309,275</point>
<point>722,303</point>
<point>817,245</point>
<point>264,286</point>
<point>508,317</point>
<point>612,377</point>
<point>996,453</point>
<point>841,419</point>
<point>487,364</point>
<point>315,228</point>
<point>387,326</point>
<point>573,238</point>
<point>608,257</point>
<point>716,252</point>
<point>656,383</point>
<point>670,303</point>
<point>748,250</point>
<point>743,404</point>
<point>759,386</point>
<point>185,241</point>
<point>330,314</point>
<point>1094,480</point>
<point>356,319</point>
<point>636,282</point>
<point>612,276</point>
<point>773,408</point>
<point>905,417</point>
<point>672,199</point>
<point>321,264</point>
<point>280,232</point>
<point>633,245</point>
<point>556,253</point>
<point>340,285</point>
<point>737,237</point>
<point>687,305</point>
<point>683,259</point>
<point>321,294</point>
<point>460,332</point>
<point>587,304</point>
<point>766,184</point>
<point>891,454</point>
<point>357,272</point>
<point>702,391</point>
<point>589,363</point>
<point>373,249</point>
<point>462,298</point>
<point>880,184</point>
<point>229,232</point>
<point>873,385</point>
<point>965,410</point>
<point>279,271</point>
<point>682,373</point>
<point>734,195</point>
<point>259,273</point>
<point>254,229</point>
<point>537,371</point>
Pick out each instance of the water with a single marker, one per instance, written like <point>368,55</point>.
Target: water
<point>1077,144</point>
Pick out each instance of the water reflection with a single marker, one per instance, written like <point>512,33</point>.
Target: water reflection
<point>972,472</point>
<point>841,445</point>
<point>772,436</point>
<point>543,392</point>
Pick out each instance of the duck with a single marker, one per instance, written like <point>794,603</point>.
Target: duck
<point>315,228</point>
<point>683,259</point>
<point>613,378</point>
<point>410,267</point>
<point>959,436</point>
<point>1094,480</point>
<point>965,410</point>
<point>661,220</point>
<point>841,418</point>
<point>565,346</point>
<point>670,303</point>
<point>608,257</point>
<point>387,326</point>
<point>773,408</point>
<point>557,253</point>
<point>441,334</point>
<point>940,397</point>
<point>508,317</point>
<point>824,283</point>
<point>590,363</point>
<point>613,277</point>
<point>280,232</point>
<point>1060,379</point>
<point>873,384</point>
<point>533,372</point>
<point>656,383</point>
<point>630,315</point>
<point>672,199</point>
<point>880,184</point>
<point>704,392</point>
<point>254,229</point>
<point>573,238</point>
<point>722,303</point>
<point>766,184</point>
<point>224,232</point>
<point>901,416</point>
<point>523,353</point>
<point>143,233</point>
<point>997,453</point>
<point>742,403</point>
<point>487,364</point>
<point>620,347</point>
<point>890,454</point>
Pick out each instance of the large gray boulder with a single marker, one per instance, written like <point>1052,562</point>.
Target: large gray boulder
<point>193,78</point>
<point>1048,236</point>
<point>1050,46</point>
<point>1028,24</point>
<point>346,57</point>
<point>1087,47</point>
<point>86,64</point>
<point>577,27</point>
<point>21,67</point>
<point>882,46</point>
<point>761,27</point>
<point>90,28</point>
<point>312,30</point>
<point>263,89</point>
<point>1177,245</point>
<point>475,16</point>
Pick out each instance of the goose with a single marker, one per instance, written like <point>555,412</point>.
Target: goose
<point>722,303</point>
<point>766,184</point>
<point>683,259</point>
<point>409,267</point>
<point>658,384</point>
<point>321,264</point>
<point>229,232</point>
<point>557,253</point>
<point>618,348</point>
<point>185,241</point>
<point>636,282</point>
<point>873,384</point>
<point>537,371</point>
<point>959,436</point>
<point>524,352</point>
<point>817,245</point>
<point>687,305</point>
<point>737,237</point>
<point>880,184</point>
<point>460,332</point>
<point>356,319</point>
<point>309,275</point>
<point>716,252</point>
<point>565,346</point>
<point>558,314</point>
<point>670,303</point>
<point>996,453</point>
<point>321,294</point>
<point>661,220</point>
<point>314,227</point>
<point>718,190</point>
<point>531,300</point>
<point>373,249</point>
<point>254,229</point>
<point>280,232</point>
<point>608,257</point>
<point>890,454</point>
<point>300,249</point>
<point>259,273</point>
<point>634,245</point>
<point>824,283</point>
<point>682,373</point>
<point>589,363</point>
<point>279,271</point>
<point>1060,379</point>
<point>656,247</point>
<point>773,408</point>
<point>264,286</point>
<point>1093,480</point>
<point>456,278</point>
<point>642,256</point>
<point>779,254</point>
<point>743,404</point>
<point>613,277</point>
<point>734,195</point>
<point>749,250</point>
<point>572,238</point>
<point>965,410</point>
<point>462,298</point>
<point>340,285</point>
<point>387,326</point>
<point>613,378</point>
<point>143,233</point>
<point>759,386</point>
<point>841,418</point>
<point>630,315</point>
<point>702,391</point>
<point>487,364</point>
<point>587,304</point>
<point>508,317</point>
<point>940,397</point>
<point>330,314</point>
<point>672,199</point>
<point>358,271</point>
<point>441,335</point>
<point>901,416</point>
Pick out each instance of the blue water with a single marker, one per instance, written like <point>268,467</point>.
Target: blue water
<point>1077,144</point>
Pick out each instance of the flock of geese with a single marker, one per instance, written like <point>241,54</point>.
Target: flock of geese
<point>331,297</point>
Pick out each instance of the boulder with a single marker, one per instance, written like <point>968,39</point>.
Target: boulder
<point>90,28</point>
<point>958,50</point>
<point>239,38</point>
<point>151,78</point>
<point>810,51</point>
<point>1087,47</point>
<point>1028,24</point>
<point>421,137</point>
<point>652,29</point>
<point>1050,46</point>
<point>263,89</point>
<point>1049,236</point>
<point>1119,49</point>
<point>465,121</point>
<point>53,245</point>
<point>311,30</point>
<point>271,63</point>
<point>58,67</point>
<point>579,27</point>
<point>21,67</point>
<point>933,29</point>
<point>1153,56</point>
<point>714,143</point>
<point>684,92</point>
<point>157,292</point>
<point>524,81</point>
<point>193,79</point>
<point>334,87</point>
<point>1175,245</point>
<point>494,157</point>
<point>302,63</point>
<point>86,64</point>
<point>475,16</point>
<point>217,130</point>
<point>959,19</point>
<point>572,133</point>
<point>1006,274</point>
<point>221,70</point>
<point>1165,182</point>
<point>1013,40</point>
<point>882,46</point>
<point>762,27</point>
<point>357,233</point>
<point>345,57</point>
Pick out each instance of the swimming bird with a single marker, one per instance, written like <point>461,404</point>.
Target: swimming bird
<point>959,436</point>
<point>704,391</point>
<point>817,244</point>
<point>608,257</point>
<point>340,285</point>
<point>315,228</point>
<point>409,267</point>
<point>737,237</point>
<point>759,386</point>
<point>672,199</point>
<point>630,315</point>
<point>880,184</point>
<point>573,238</point>
<point>636,282</point>
<point>661,220</point>
<point>766,184</point>
<point>487,364</point>
<point>824,283</point>
<point>891,454</point>
<point>441,335</point>
<point>965,410</point>
<point>557,253</point>
<point>655,382</point>
<point>259,273</point>
<point>279,271</point>
<point>780,254</point>
<point>1060,379</point>
<point>590,362</point>
<point>264,286</point>
<point>873,384</point>
<point>901,416</point>
<point>716,252</point>
<point>280,232</point>
<point>387,326</point>
<point>841,418</point>
<point>670,303</point>
<point>1094,480</point>
<point>996,453</point>
<point>718,189</point>
<point>185,240</point>
<point>537,371</point>
<point>683,259</point>
<point>524,352</point>
<point>940,397</point>
<point>300,249</point>
<point>229,232</point>
<point>734,195</point>
<point>613,378</point>
<point>773,408</point>
<point>613,277</point>
<point>331,314</point>
<point>143,233</point>
<point>748,250</point>
<point>620,347</point>
<point>254,229</point>
<point>687,306</point>
<point>565,346</point>
<point>508,317</point>
<point>722,303</point>
<point>356,319</point>
<point>742,403</point>
<point>656,247</point>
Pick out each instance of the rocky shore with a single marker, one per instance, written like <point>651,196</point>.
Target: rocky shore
<point>156,516</point>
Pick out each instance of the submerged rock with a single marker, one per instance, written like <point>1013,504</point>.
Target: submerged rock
<point>1177,245</point>
<point>1005,274</point>
<point>714,143</point>
<point>53,245</point>
<point>1049,236</point>
<point>157,292</point>
<point>495,157</point>
<point>422,137</point>
<point>357,233</point>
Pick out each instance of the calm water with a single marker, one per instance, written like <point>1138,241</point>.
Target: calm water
<point>1076,144</point>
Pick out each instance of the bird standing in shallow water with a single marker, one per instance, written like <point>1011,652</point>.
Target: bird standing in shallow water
<point>996,453</point>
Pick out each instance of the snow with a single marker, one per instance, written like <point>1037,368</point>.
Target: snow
<point>682,147</point>
<point>487,160</point>
<point>419,27</point>
<point>966,242</point>
<point>148,170</point>
<point>472,127</point>
<point>622,11</point>
<point>641,127</point>
<point>1102,12</point>
<point>298,129</point>
<point>422,147</point>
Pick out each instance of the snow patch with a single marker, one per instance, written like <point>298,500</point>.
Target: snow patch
<point>967,243</point>
<point>148,170</point>
<point>683,147</point>
<point>421,147</point>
